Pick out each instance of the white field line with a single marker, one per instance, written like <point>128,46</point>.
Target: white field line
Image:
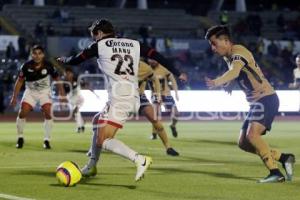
<point>12,197</point>
<point>155,165</point>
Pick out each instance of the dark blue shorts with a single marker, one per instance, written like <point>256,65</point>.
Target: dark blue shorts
<point>144,102</point>
<point>263,111</point>
<point>168,102</point>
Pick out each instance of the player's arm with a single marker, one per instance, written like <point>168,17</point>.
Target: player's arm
<point>18,85</point>
<point>228,76</point>
<point>60,86</point>
<point>174,85</point>
<point>156,88</point>
<point>153,54</point>
<point>88,53</point>
<point>142,87</point>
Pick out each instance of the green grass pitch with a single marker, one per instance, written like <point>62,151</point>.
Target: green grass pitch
<point>210,167</point>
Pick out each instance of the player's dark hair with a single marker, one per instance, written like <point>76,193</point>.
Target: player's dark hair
<point>37,47</point>
<point>217,30</point>
<point>68,69</point>
<point>102,25</point>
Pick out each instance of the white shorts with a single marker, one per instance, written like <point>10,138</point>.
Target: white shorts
<point>117,111</point>
<point>76,100</point>
<point>32,97</point>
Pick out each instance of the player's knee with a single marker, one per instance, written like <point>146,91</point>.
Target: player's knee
<point>158,126</point>
<point>22,115</point>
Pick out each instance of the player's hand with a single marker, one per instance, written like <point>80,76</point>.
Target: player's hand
<point>210,83</point>
<point>228,87</point>
<point>183,77</point>
<point>13,101</point>
<point>62,59</point>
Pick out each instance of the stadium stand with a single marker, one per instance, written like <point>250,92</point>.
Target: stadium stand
<point>171,23</point>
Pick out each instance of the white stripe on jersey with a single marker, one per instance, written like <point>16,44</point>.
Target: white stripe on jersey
<point>38,85</point>
<point>119,61</point>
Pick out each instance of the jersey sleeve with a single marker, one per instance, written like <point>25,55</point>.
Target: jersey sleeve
<point>53,72</point>
<point>89,52</point>
<point>237,63</point>
<point>153,54</point>
<point>21,72</point>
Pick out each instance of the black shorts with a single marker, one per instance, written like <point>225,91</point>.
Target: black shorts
<point>144,102</point>
<point>263,111</point>
<point>168,102</point>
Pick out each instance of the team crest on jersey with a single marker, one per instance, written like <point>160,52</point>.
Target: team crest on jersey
<point>44,71</point>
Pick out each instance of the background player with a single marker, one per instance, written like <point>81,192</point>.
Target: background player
<point>36,74</point>
<point>296,72</point>
<point>165,78</point>
<point>118,58</point>
<point>263,100</point>
<point>74,97</point>
<point>146,74</point>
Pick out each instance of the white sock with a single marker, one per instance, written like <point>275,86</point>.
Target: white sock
<point>118,147</point>
<point>78,119</point>
<point>48,128</point>
<point>20,126</point>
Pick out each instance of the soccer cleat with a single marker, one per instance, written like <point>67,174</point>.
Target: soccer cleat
<point>153,136</point>
<point>288,166</point>
<point>20,143</point>
<point>142,167</point>
<point>273,178</point>
<point>80,129</point>
<point>88,171</point>
<point>172,152</point>
<point>46,144</point>
<point>174,131</point>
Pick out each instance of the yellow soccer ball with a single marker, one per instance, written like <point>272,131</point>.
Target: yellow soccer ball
<point>68,173</point>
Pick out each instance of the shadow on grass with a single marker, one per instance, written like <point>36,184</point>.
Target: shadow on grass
<point>214,174</point>
<point>87,182</point>
<point>34,173</point>
<point>230,143</point>
<point>219,161</point>
<point>83,151</point>
<point>131,187</point>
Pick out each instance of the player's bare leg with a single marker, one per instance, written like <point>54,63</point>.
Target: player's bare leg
<point>148,111</point>
<point>79,120</point>
<point>107,141</point>
<point>154,134</point>
<point>48,124</point>
<point>254,132</point>
<point>20,122</point>
<point>286,159</point>
<point>174,117</point>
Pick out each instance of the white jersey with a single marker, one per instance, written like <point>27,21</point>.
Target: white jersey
<point>118,59</point>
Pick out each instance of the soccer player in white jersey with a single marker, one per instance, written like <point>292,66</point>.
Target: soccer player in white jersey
<point>36,74</point>
<point>118,58</point>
